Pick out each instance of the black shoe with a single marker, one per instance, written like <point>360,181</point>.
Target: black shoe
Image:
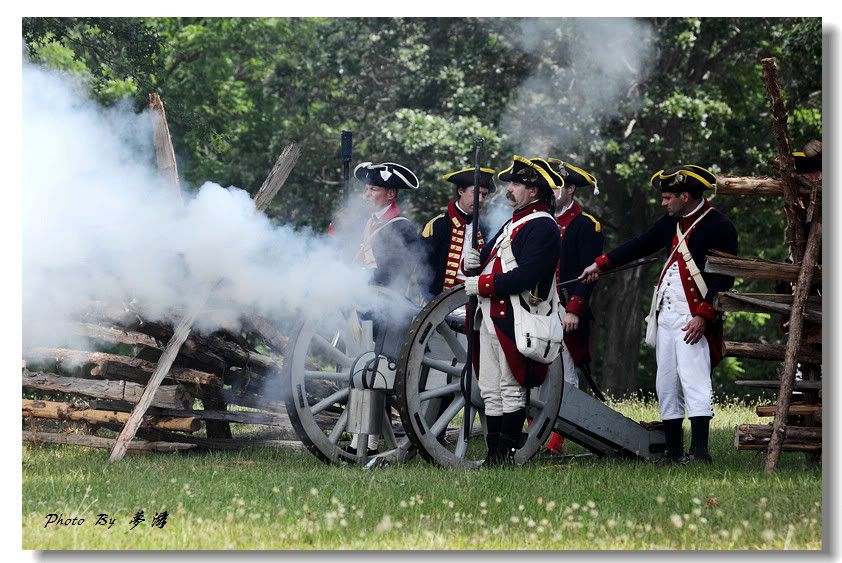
<point>695,459</point>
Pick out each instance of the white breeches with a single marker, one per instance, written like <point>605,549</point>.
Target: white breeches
<point>683,377</point>
<point>500,391</point>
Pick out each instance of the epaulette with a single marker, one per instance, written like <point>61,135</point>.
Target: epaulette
<point>428,228</point>
<point>597,226</point>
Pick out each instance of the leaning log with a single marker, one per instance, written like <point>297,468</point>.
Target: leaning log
<point>794,345</point>
<point>753,268</point>
<point>99,442</point>
<point>168,396</point>
<point>766,303</point>
<point>54,410</point>
<point>794,234</point>
<point>164,153</point>
<point>774,352</point>
<point>180,334</point>
<point>277,176</point>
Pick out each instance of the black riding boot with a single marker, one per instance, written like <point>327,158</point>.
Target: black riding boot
<point>674,437</point>
<point>699,431</point>
<point>492,440</point>
<point>510,434</point>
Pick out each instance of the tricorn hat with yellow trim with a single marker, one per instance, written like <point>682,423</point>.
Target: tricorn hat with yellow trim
<point>533,172</point>
<point>683,178</point>
<point>573,175</point>
<point>386,175</point>
<point>465,177</point>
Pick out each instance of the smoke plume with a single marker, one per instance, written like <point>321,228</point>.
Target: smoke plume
<point>585,72</point>
<point>100,225</point>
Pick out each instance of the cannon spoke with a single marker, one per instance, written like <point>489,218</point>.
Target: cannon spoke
<point>439,392</point>
<point>445,366</point>
<point>330,351</point>
<point>449,414</point>
<point>333,398</point>
<point>339,376</point>
<point>337,431</point>
<point>449,336</point>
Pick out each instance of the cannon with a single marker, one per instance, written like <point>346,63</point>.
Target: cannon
<point>400,378</point>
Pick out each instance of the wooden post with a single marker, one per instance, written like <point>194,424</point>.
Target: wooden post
<point>796,323</point>
<point>277,176</point>
<point>161,370</point>
<point>794,230</point>
<point>164,153</point>
<point>183,330</point>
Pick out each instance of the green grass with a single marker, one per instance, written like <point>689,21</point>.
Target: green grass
<point>271,499</point>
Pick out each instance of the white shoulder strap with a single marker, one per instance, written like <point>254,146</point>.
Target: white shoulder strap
<point>389,222</point>
<point>681,237</point>
<point>688,258</point>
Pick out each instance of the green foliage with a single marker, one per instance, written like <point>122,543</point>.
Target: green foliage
<point>116,56</point>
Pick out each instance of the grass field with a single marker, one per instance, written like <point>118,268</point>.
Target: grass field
<point>273,499</point>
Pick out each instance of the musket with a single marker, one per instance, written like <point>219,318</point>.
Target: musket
<point>347,143</point>
<point>472,302</point>
<point>628,266</point>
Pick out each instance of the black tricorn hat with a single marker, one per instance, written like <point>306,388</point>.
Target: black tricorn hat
<point>386,175</point>
<point>683,178</point>
<point>465,177</point>
<point>533,172</point>
<point>573,175</point>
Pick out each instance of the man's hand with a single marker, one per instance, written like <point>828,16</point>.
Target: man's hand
<point>471,261</point>
<point>472,285</point>
<point>695,329</point>
<point>590,274</point>
<point>570,322</point>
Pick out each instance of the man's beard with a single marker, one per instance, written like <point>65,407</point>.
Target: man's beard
<point>511,199</point>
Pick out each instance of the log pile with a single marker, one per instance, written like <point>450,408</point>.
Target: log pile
<point>215,382</point>
<point>173,389</point>
<point>796,426</point>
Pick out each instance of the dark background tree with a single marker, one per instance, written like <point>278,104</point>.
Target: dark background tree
<point>417,90</point>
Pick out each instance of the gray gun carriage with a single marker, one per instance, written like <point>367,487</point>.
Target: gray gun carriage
<point>397,374</point>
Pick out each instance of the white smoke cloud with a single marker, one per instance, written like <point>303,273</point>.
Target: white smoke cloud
<point>99,224</point>
<point>587,68</point>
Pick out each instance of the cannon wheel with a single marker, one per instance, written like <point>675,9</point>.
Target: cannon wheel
<point>315,384</point>
<point>441,440</point>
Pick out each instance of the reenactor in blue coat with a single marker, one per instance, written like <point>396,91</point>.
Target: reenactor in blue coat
<point>581,242</point>
<point>504,373</point>
<point>448,236</point>
<point>689,331</point>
